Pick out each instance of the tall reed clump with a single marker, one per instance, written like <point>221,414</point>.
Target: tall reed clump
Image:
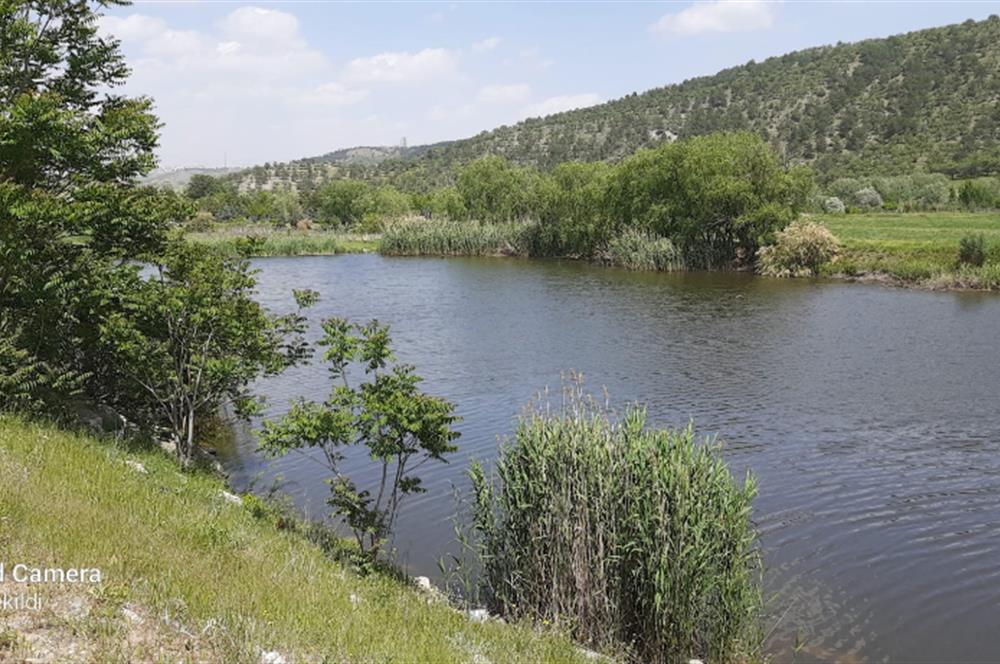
<point>640,251</point>
<point>624,535</point>
<point>457,238</point>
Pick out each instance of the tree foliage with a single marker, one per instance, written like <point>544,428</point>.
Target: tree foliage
<point>718,197</point>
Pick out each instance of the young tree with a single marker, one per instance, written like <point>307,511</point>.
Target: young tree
<point>192,337</point>
<point>401,427</point>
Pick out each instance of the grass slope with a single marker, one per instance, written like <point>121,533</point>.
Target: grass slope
<point>189,576</point>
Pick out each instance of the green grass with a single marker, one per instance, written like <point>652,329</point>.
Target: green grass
<point>915,247</point>
<point>168,544</point>
<point>271,241</point>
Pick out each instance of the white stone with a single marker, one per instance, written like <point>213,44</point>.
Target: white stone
<point>478,615</point>
<point>271,657</point>
<point>423,583</point>
<point>355,600</point>
<point>231,498</point>
<point>136,466</point>
<point>131,616</point>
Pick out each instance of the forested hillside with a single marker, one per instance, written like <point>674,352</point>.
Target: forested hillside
<point>923,101</point>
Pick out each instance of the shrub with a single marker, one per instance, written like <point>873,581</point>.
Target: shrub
<point>622,534</point>
<point>974,194</point>
<point>401,426</point>
<point>798,250</point>
<point>833,205</point>
<point>868,197</point>
<point>639,251</point>
<point>972,250</point>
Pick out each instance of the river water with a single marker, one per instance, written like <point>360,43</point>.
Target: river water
<point>868,414</point>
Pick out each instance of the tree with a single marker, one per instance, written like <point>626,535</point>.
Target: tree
<point>343,202</point>
<point>569,204</point>
<point>71,219</point>
<point>493,190</point>
<point>60,124</point>
<point>401,427</point>
<point>201,185</point>
<point>719,197</point>
<point>192,338</point>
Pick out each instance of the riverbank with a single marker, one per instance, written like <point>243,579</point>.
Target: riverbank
<point>263,240</point>
<point>913,249</point>
<point>189,573</point>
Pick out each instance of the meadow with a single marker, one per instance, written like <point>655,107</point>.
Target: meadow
<point>915,247</point>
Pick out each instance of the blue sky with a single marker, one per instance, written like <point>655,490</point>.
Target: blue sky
<point>245,82</point>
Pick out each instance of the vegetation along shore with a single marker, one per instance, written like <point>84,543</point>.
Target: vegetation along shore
<point>132,332</point>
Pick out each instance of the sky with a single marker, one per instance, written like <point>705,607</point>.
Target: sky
<point>241,83</point>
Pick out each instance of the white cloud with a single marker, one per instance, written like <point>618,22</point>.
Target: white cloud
<point>487,44</point>
<point>440,113</point>
<point>504,94</point>
<point>135,26</point>
<point>402,67</point>
<point>264,26</point>
<point>336,94</point>
<point>563,103</point>
<point>718,16</point>
<point>533,57</point>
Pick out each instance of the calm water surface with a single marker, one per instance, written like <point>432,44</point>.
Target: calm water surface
<point>868,414</point>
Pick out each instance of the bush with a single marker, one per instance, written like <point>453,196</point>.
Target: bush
<point>621,534</point>
<point>639,251</point>
<point>798,250</point>
<point>833,205</point>
<point>972,250</point>
<point>976,195</point>
<point>868,197</point>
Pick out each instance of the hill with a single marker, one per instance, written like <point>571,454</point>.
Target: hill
<point>922,101</point>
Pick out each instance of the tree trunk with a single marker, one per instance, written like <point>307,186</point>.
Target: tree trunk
<point>189,447</point>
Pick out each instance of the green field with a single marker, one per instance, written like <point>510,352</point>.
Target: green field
<point>266,240</point>
<point>191,576</point>
<point>915,247</point>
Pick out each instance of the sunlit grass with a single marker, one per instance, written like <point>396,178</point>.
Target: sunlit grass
<point>170,543</point>
<point>919,247</point>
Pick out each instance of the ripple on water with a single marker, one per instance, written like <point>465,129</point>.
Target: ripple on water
<point>867,414</point>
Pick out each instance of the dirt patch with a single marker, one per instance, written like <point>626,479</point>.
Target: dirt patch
<point>42,623</point>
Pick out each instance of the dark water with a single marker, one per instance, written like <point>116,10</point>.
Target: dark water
<point>868,414</point>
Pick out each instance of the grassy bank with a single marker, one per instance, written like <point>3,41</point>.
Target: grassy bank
<point>265,240</point>
<point>190,576</point>
<point>915,248</point>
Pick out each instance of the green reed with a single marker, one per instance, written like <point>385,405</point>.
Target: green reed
<point>624,535</point>
<point>457,238</point>
<point>638,251</point>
